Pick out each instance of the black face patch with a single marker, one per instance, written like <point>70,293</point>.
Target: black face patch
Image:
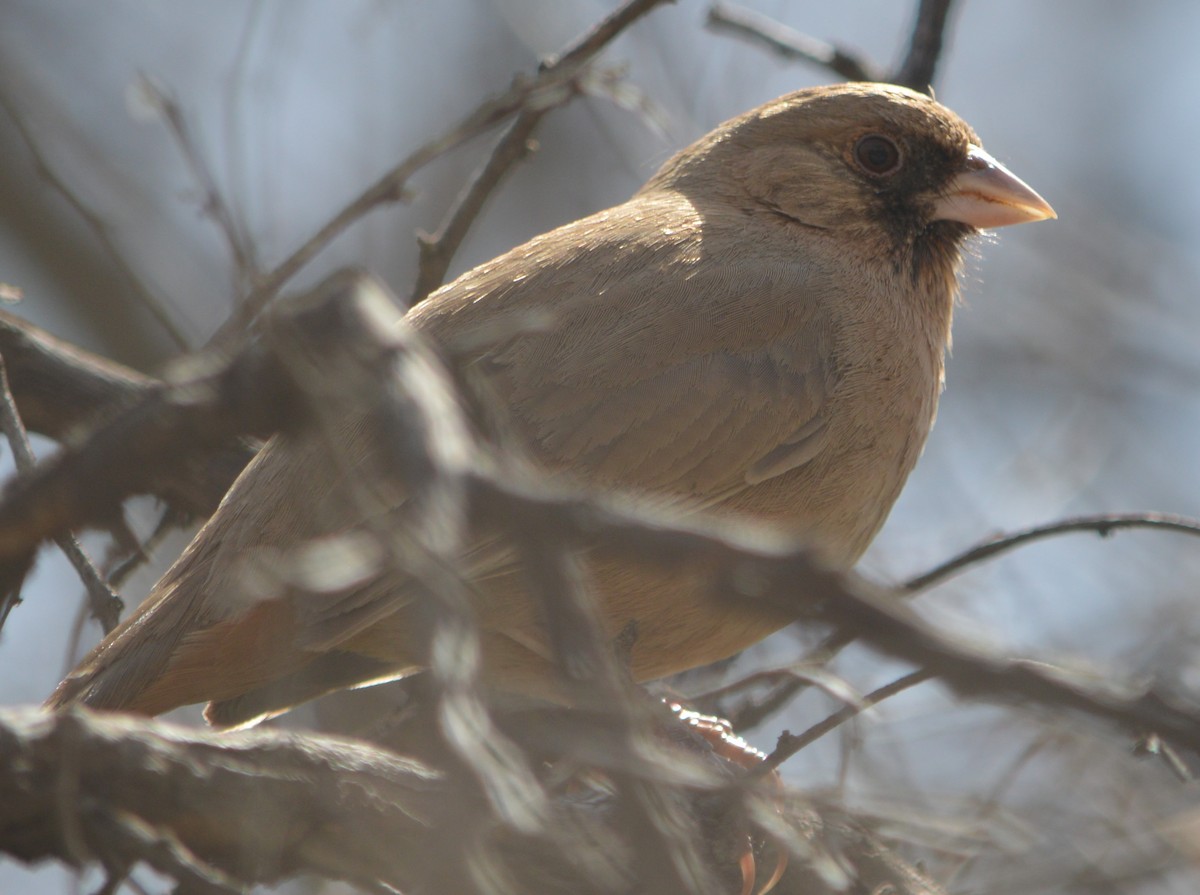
<point>903,201</point>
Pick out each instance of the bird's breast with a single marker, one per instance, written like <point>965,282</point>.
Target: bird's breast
<point>881,405</point>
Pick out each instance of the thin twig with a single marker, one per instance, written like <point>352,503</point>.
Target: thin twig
<point>105,605</point>
<point>754,714</point>
<point>789,744</point>
<point>788,42</point>
<point>72,653</point>
<point>112,882</point>
<point>96,224</point>
<point>123,834</point>
<point>547,87</point>
<point>240,247</point>
<point>170,520</point>
<point>1103,525</point>
<point>437,250</point>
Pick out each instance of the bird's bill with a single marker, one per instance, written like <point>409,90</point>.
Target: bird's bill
<point>986,194</point>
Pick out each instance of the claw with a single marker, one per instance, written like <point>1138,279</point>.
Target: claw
<point>724,742</point>
<point>747,866</point>
<point>781,862</point>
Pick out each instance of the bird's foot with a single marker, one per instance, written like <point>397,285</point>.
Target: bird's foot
<point>726,744</point>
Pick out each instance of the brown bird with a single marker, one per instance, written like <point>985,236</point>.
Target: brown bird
<point>758,332</point>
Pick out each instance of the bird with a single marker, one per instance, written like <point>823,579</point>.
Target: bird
<point>758,333</point>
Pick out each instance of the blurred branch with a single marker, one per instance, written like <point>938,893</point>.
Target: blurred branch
<point>95,223</point>
<point>554,84</point>
<point>990,804</point>
<point>105,605</point>
<point>437,250</point>
<point>59,386</point>
<point>925,46</point>
<point>917,70</point>
<point>346,329</point>
<point>338,808</point>
<point>60,389</point>
<point>83,787</point>
<point>173,425</point>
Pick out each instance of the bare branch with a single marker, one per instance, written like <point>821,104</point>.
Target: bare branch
<point>554,83</point>
<point>917,70</point>
<point>82,786</point>
<point>340,808</point>
<point>240,247</point>
<point>59,386</point>
<point>173,425</point>
<point>105,605</point>
<point>1103,525</point>
<point>437,250</point>
<point>797,586</point>
<point>786,688</point>
<point>789,744</point>
<point>60,389</point>
<point>788,42</point>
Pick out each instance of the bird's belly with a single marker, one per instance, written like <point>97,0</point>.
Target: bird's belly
<point>671,619</point>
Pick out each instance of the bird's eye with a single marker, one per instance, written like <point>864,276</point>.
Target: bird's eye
<point>877,154</point>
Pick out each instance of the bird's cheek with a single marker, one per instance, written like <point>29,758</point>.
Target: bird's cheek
<point>795,186</point>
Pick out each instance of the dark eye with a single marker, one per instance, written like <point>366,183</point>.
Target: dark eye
<point>877,154</point>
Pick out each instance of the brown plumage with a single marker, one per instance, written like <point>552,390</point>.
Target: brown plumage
<point>760,330</point>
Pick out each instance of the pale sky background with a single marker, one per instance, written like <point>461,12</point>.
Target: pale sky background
<point>1073,385</point>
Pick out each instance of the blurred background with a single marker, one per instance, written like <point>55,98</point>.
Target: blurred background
<point>1072,388</point>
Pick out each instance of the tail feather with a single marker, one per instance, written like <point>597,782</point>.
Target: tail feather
<point>118,672</point>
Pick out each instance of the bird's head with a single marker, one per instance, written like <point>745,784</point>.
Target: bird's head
<point>881,169</point>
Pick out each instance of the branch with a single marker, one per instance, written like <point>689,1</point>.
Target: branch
<point>105,605</point>
<point>343,338</point>
<point>787,687</point>
<point>241,249</point>
<point>339,808</point>
<point>83,786</point>
<point>925,47</point>
<point>553,85</point>
<point>1103,525</point>
<point>796,586</point>
<point>917,70</point>
<point>437,250</point>
<point>174,426</point>
<point>788,43</point>
<point>61,389</point>
<point>789,744</point>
